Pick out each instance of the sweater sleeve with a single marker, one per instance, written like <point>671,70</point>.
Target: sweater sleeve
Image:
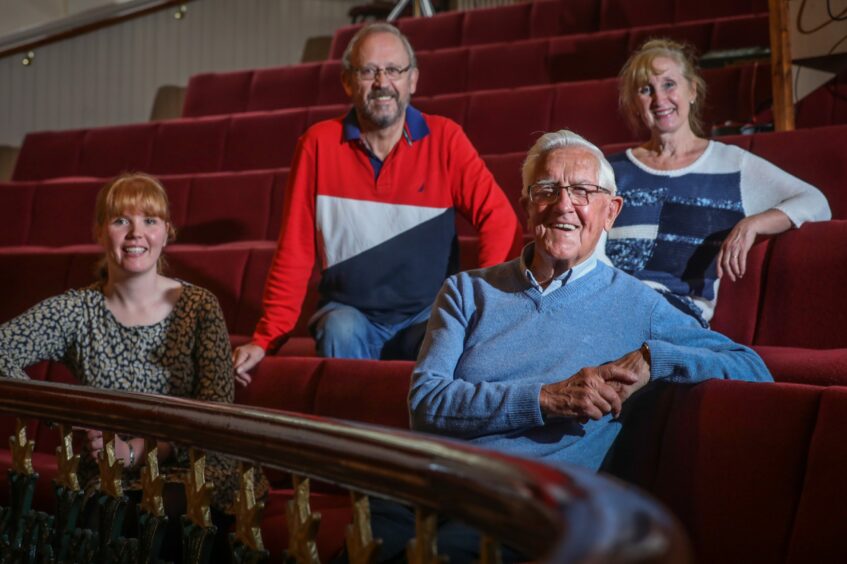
<point>441,403</point>
<point>294,258</point>
<point>765,186</point>
<point>43,332</point>
<point>682,351</point>
<point>213,356</point>
<point>479,198</point>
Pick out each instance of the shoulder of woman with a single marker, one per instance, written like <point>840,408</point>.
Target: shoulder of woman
<point>199,296</point>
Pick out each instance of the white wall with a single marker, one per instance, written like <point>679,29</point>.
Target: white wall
<point>110,76</point>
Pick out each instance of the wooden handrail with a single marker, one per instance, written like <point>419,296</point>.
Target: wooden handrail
<point>80,24</point>
<point>573,517</point>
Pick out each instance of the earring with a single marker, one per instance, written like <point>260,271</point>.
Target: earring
<point>691,102</point>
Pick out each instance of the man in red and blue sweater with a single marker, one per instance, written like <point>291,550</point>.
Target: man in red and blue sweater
<point>374,196</point>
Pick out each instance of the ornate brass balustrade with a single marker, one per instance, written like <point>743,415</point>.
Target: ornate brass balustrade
<point>546,514</point>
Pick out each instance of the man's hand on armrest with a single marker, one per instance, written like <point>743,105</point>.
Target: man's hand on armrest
<point>596,391</point>
<point>244,358</point>
<point>636,363</point>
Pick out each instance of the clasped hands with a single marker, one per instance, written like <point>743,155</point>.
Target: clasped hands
<point>596,391</point>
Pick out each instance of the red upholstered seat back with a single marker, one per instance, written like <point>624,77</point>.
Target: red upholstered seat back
<point>590,108</point>
<point>228,207</point>
<point>568,62</point>
<point>814,155</point>
<point>262,139</point>
<point>63,213</point>
<point>442,71</point>
<point>47,154</point>
<point>818,534</point>
<point>292,86</point>
<point>737,312</point>
<point>804,303</point>
<point>108,151</point>
<point>440,31</point>
<point>620,14</point>
<point>217,93</point>
<point>189,145</point>
<point>503,121</point>
<point>339,392</point>
<point>501,23</point>
<point>330,90</point>
<point>526,60</point>
<point>687,10</point>
<point>18,196</point>
<point>732,465</point>
<point>551,18</point>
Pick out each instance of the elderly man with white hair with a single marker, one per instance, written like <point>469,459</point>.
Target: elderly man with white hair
<point>537,357</point>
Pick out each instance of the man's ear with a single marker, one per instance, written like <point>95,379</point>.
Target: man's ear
<point>614,209</point>
<point>413,80</point>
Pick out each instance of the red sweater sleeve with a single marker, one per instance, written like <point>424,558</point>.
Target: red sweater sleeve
<point>481,201</point>
<point>294,258</point>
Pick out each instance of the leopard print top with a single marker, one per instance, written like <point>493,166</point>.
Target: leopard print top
<point>187,354</point>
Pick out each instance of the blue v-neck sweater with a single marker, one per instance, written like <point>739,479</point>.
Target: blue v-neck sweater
<point>494,340</point>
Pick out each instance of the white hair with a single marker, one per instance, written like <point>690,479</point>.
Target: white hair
<point>557,140</point>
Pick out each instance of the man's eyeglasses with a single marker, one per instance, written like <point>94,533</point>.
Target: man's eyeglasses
<point>369,72</point>
<point>580,194</point>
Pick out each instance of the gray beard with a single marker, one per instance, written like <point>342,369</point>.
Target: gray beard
<point>382,121</point>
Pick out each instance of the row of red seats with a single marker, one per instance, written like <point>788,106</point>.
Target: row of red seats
<point>548,18</point>
<point>207,208</point>
<point>797,276</point>
<point>496,121</point>
<point>774,450</point>
<point>225,207</point>
<point>465,69</point>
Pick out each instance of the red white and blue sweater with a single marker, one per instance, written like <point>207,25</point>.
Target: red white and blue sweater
<point>384,231</point>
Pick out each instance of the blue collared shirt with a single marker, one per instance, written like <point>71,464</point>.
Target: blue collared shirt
<point>414,129</point>
<point>567,276</point>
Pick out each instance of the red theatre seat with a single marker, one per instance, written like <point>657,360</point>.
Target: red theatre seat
<point>687,10</point>
<point>526,61</point>
<point>804,300</point>
<point>217,93</point>
<point>330,89</point>
<point>293,86</point>
<point>550,18</point>
<point>622,14</point>
<point>443,71</point>
<point>501,23</point>
<point>108,151</point>
<point>568,61</point>
<point>262,139</point>
<point>503,121</point>
<point>590,108</point>
<point>438,32</point>
<point>48,154</point>
<point>189,145</point>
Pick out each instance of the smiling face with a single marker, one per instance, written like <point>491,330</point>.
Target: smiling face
<point>566,234</point>
<point>133,242</point>
<point>381,102</point>
<point>664,102</point>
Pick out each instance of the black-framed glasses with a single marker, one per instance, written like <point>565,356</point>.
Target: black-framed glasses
<point>580,194</point>
<point>370,72</point>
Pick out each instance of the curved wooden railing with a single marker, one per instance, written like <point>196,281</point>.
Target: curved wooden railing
<point>548,515</point>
